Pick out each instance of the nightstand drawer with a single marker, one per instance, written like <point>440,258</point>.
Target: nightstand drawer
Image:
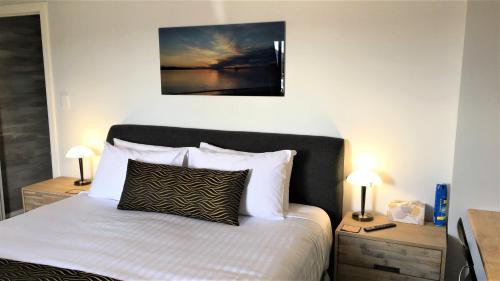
<point>34,200</point>
<point>354,273</point>
<point>390,257</point>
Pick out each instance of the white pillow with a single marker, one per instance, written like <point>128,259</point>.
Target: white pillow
<point>147,147</point>
<point>286,194</point>
<point>110,175</point>
<point>264,192</point>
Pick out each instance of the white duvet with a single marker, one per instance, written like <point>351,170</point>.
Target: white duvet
<point>91,235</point>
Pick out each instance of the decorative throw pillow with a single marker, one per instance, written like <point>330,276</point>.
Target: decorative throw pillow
<point>205,194</point>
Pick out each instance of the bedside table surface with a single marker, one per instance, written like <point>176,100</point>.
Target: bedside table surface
<point>427,235</point>
<point>59,185</point>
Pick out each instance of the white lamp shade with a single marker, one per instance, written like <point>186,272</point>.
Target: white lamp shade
<point>363,178</point>
<point>79,151</point>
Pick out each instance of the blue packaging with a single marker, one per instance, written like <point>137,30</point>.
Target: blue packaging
<point>441,205</point>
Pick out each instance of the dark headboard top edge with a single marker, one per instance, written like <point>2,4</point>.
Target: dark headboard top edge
<point>200,131</point>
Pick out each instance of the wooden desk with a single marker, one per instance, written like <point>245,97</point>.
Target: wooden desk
<point>486,228</point>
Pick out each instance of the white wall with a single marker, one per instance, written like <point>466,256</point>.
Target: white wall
<point>383,75</point>
<point>476,182</point>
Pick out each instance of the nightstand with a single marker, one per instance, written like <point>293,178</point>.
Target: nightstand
<point>406,252</point>
<point>49,191</point>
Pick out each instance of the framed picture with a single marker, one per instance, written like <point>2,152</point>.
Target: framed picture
<point>226,60</point>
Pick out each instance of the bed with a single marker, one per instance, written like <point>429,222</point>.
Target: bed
<point>89,235</point>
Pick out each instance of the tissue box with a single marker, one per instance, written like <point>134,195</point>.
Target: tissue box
<point>406,211</point>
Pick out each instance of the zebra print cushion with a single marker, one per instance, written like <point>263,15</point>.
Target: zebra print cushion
<point>196,193</point>
<point>21,271</point>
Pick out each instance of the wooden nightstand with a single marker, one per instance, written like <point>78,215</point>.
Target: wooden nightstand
<point>49,191</point>
<point>406,252</point>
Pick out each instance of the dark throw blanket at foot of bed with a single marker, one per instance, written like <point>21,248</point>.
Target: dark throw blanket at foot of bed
<point>23,271</point>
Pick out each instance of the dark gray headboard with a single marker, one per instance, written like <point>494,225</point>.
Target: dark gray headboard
<point>318,168</point>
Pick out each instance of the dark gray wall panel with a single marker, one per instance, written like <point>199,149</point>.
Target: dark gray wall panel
<point>24,131</point>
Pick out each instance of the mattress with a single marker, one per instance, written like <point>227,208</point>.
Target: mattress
<point>91,235</point>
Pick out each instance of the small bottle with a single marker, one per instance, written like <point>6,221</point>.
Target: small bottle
<point>441,205</point>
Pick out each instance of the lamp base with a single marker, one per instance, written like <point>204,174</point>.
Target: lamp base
<point>82,182</point>
<point>366,217</point>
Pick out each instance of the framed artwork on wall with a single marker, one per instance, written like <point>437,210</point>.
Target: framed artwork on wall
<point>223,60</point>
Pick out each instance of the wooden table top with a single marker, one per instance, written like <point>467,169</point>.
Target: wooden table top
<point>428,235</point>
<point>59,185</point>
<point>486,228</point>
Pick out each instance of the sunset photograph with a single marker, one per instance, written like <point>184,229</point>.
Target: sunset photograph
<point>232,60</point>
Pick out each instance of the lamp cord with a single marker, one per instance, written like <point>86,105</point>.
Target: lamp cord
<point>461,271</point>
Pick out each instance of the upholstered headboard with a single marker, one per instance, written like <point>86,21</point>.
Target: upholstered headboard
<point>318,167</point>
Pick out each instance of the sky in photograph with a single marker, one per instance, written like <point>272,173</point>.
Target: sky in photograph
<point>235,45</point>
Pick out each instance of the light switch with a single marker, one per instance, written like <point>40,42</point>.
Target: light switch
<point>65,101</point>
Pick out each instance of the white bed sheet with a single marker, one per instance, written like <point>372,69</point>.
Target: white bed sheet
<point>91,235</point>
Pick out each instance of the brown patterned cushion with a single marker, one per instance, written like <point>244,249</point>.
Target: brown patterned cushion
<point>196,193</point>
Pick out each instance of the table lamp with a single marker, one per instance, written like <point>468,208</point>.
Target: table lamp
<point>80,151</point>
<point>363,178</point>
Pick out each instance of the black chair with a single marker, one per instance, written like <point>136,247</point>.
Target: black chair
<point>468,257</point>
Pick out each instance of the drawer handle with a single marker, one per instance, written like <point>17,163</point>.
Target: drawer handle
<point>386,268</point>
